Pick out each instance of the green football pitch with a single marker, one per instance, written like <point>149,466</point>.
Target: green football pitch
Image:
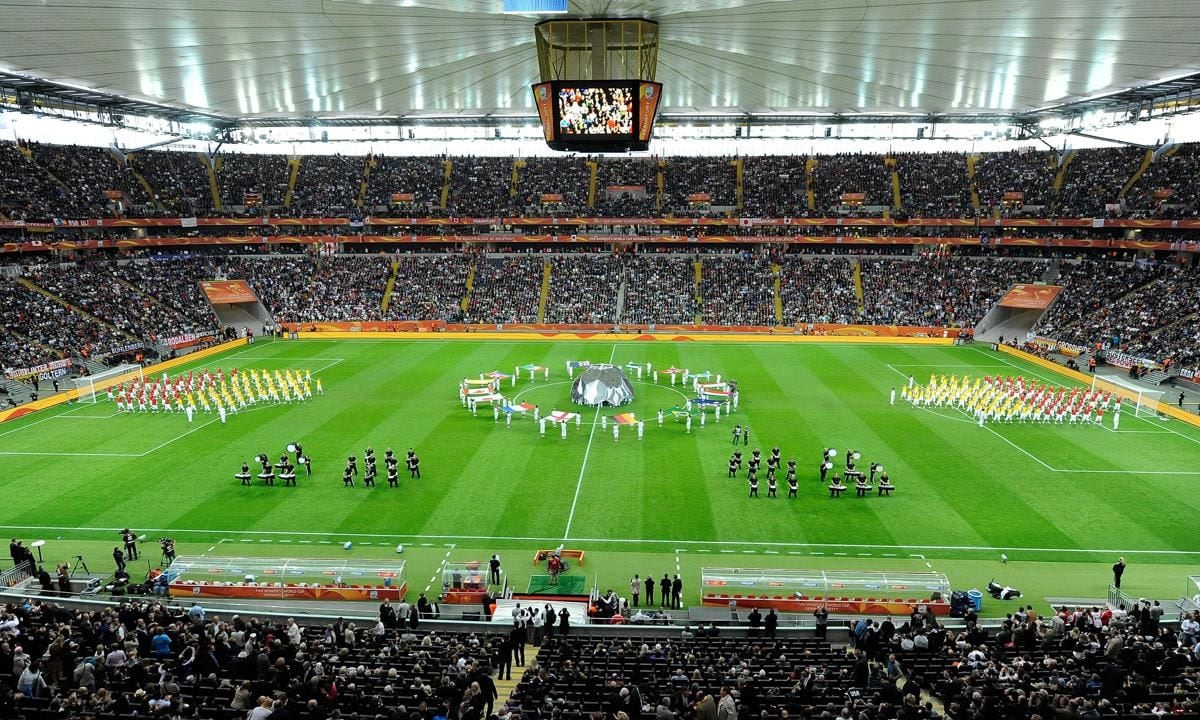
<point>1062,502</point>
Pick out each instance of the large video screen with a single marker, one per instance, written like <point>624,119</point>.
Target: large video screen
<point>610,116</point>
<point>595,111</point>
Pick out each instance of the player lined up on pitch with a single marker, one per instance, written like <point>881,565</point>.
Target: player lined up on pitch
<point>208,391</point>
<point>1015,399</point>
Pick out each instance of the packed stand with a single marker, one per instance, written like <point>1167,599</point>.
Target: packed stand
<point>1176,171</point>
<point>1024,171</point>
<point>565,176</point>
<point>1094,179</point>
<point>626,187</point>
<point>239,176</point>
<point>934,185</point>
<point>90,172</point>
<point>506,290</point>
<point>327,186</point>
<point>774,186</point>
<point>737,291</point>
<point>429,287</point>
<point>818,290</point>
<point>940,290</point>
<point>420,177</point>
<point>174,282</point>
<point>179,180</point>
<point>659,289</point>
<point>711,176</point>
<point>95,290</point>
<point>583,289</point>
<point>835,175</point>
<point>53,328</point>
<point>28,193</point>
<point>1090,287</point>
<point>282,283</point>
<point>480,187</point>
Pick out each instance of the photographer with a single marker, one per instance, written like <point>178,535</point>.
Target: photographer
<point>168,549</point>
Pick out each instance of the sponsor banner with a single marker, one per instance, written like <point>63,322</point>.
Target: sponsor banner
<point>403,197</point>
<point>221,292</point>
<point>369,326</point>
<point>854,197</point>
<point>127,347</point>
<point>1163,193</point>
<point>187,339</point>
<point>626,188</point>
<point>1125,360</point>
<point>552,197</point>
<point>252,199</point>
<point>113,194</point>
<point>699,197</point>
<point>821,329</point>
<point>648,95</point>
<point>1030,297</point>
<point>44,369</point>
<point>1014,196</point>
<point>288,592</point>
<point>1061,348</point>
<point>543,98</point>
<point>842,606</point>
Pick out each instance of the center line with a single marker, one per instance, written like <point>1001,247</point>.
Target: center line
<point>587,451</point>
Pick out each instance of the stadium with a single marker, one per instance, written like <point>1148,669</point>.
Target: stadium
<point>548,360</point>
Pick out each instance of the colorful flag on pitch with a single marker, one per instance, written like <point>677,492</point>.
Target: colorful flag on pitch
<point>521,408</point>
<point>716,393</point>
<point>483,382</point>
<point>673,370</point>
<point>478,392</point>
<point>624,419</point>
<point>706,401</point>
<point>488,398</point>
<point>561,416</point>
<point>576,364</point>
<point>678,413</point>
<point>533,368</point>
<point>497,375</point>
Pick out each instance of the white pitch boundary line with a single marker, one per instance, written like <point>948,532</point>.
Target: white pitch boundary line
<point>755,543</point>
<point>586,452</point>
<point>70,454</point>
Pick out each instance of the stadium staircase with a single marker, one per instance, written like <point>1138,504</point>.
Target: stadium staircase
<point>29,284</point>
<point>620,300</point>
<point>897,199</point>
<point>515,184</point>
<point>594,172</point>
<point>777,283</point>
<point>972,162</point>
<point>388,289</point>
<point>856,270</point>
<point>466,300</point>
<point>447,171</point>
<point>809,191</point>
<point>698,318</point>
<point>293,174</point>
<point>659,183</point>
<point>211,166</point>
<point>29,154</point>
<point>1147,158</point>
<point>505,688</point>
<point>544,294</point>
<point>366,176</point>
<point>1061,174</point>
<point>739,167</point>
<point>141,179</point>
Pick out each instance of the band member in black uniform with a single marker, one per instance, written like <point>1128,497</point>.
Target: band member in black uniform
<point>738,456</point>
<point>244,475</point>
<point>348,476</point>
<point>874,469</point>
<point>299,452</point>
<point>733,466</point>
<point>393,473</point>
<point>352,464</point>
<point>791,471</point>
<point>388,456</point>
<point>369,474</point>
<point>771,486</point>
<point>414,464</point>
<point>131,551</point>
<point>793,485</point>
<point>306,461</point>
<point>737,434</point>
<point>268,474</point>
<point>775,455</point>
<point>824,470</point>
<point>369,455</point>
<point>772,465</point>
<point>288,474</point>
<point>283,462</point>
<point>753,478</point>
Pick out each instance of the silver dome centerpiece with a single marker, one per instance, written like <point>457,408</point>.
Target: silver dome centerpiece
<point>602,385</point>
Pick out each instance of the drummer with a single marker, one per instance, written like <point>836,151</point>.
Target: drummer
<point>244,475</point>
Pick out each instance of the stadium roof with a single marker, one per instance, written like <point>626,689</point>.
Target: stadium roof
<point>462,60</point>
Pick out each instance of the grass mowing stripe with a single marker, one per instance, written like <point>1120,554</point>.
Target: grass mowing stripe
<point>586,452</point>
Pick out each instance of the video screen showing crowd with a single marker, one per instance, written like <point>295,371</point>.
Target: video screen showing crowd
<point>285,469</point>
<point>873,479</point>
<point>595,111</point>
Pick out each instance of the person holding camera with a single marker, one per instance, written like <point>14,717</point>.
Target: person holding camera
<point>130,539</point>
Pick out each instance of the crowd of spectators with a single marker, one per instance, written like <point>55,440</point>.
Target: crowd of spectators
<point>327,186</point>
<point>90,172</point>
<point>774,186</point>
<point>818,290</point>
<point>934,185</point>
<point>429,287</point>
<point>621,172</point>
<point>711,176</point>
<point>28,193</point>
<point>1093,180</point>
<point>939,290</point>
<point>1089,288</point>
<point>47,330</point>
<point>281,282</point>
<point>583,289</point>
<point>481,187</point>
<point>179,180</point>
<point>659,289</point>
<point>567,176</point>
<point>1025,171</point>
<point>240,175</point>
<point>737,290</point>
<point>505,290</point>
<point>1175,170</point>
<point>835,175</point>
<point>421,177</point>
<point>175,282</point>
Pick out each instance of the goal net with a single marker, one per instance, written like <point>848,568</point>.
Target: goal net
<point>1146,402</point>
<point>89,388</point>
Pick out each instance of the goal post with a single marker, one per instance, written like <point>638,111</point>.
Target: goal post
<point>1146,402</point>
<point>89,387</point>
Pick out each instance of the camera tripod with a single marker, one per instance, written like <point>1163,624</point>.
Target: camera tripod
<point>79,563</point>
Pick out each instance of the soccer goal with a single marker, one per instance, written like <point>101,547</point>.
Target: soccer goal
<point>92,386</point>
<point>1146,401</point>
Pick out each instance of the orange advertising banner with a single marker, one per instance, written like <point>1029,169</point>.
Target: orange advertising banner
<point>1163,193</point>
<point>1030,297</point>
<point>402,197</point>
<point>1014,196</point>
<point>543,97</point>
<point>841,606</point>
<point>626,188</point>
<point>113,194</point>
<point>222,292</point>
<point>648,94</point>
<point>288,592</point>
<point>700,197</point>
<point>552,197</point>
<point>853,197</point>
